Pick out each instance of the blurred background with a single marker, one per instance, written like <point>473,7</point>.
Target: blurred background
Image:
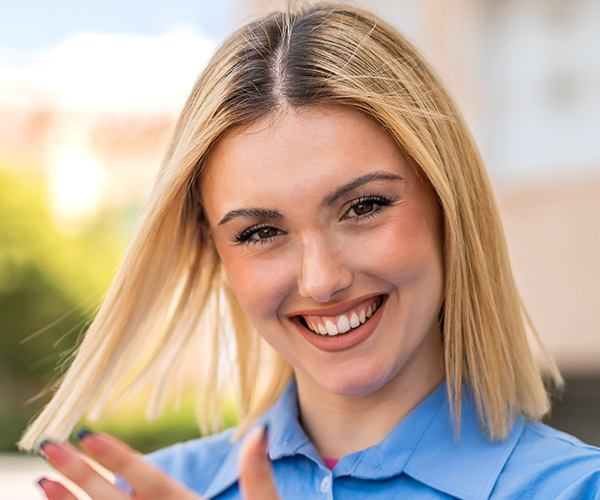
<point>89,92</point>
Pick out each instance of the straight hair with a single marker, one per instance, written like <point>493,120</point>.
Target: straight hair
<point>169,304</point>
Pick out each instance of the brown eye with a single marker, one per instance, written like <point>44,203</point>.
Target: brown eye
<point>364,207</point>
<point>266,232</point>
<point>367,207</point>
<point>257,234</point>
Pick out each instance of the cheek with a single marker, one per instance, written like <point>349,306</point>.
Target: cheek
<point>259,284</point>
<point>408,249</point>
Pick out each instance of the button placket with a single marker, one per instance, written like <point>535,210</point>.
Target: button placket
<point>326,484</point>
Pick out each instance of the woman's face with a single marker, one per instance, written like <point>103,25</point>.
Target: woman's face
<point>332,245</point>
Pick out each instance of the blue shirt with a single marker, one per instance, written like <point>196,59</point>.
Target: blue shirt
<point>418,459</point>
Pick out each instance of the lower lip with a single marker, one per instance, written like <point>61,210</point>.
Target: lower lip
<point>343,341</point>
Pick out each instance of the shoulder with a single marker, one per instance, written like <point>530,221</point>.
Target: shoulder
<point>555,449</point>
<point>552,464</point>
<point>196,463</point>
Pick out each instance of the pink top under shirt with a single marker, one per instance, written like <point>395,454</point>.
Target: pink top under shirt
<point>330,463</point>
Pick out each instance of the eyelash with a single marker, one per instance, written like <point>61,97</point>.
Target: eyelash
<point>244,236</point>
<point>380,202</point>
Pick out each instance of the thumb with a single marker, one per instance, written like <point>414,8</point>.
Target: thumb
<point>256,479</point>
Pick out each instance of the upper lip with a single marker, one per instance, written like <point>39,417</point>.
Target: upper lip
<point>335,310</point>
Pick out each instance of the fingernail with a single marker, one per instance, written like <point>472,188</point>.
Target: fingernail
<point>39,447</point>
<point>83,432</point>
<point>55,453</point>
<point>264,439</point>
<point>42,484</point>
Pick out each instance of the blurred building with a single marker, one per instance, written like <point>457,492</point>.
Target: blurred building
<point>526,73</point>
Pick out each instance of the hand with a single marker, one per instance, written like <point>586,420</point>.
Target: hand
<point>148,482</point>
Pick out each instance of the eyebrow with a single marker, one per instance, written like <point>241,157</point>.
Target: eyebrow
<point>358,182</point>
<point>267,213</point>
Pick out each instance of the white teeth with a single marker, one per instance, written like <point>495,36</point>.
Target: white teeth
<point>363,316</point>
<point>331,328</point>
<point>343,324</point>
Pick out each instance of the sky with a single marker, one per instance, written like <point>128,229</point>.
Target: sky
<point>31,24</point>
<point>107,55</point>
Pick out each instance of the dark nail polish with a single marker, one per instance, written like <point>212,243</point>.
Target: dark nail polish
<point>83,432</point>
<point>42,484</point>
<point>265,435</point>
<point>39,448</point>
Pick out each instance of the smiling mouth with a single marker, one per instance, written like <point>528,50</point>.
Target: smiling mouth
<point>333,326</point>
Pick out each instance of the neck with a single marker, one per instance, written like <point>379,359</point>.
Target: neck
<point>340,425</point>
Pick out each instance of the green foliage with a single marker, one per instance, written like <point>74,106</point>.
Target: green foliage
<point>177,424</point>
<point>50,286</point>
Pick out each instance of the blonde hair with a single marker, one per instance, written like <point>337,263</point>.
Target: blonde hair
<point>170,284</point>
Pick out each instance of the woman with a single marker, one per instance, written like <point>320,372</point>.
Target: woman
<point>322,192</point>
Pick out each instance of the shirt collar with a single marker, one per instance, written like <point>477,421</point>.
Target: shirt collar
<point>467,467</point>
<point>423,445</point>
<point>390,457</point>
<point>286,438</point>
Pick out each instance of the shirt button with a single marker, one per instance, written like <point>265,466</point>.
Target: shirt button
<point>325,484</point>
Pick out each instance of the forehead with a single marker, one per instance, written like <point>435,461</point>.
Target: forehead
<point>312,142</point>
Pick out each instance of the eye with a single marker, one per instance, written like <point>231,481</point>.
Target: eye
<point>367,206</point>
<point>257,234</point>
<point>364,207</point>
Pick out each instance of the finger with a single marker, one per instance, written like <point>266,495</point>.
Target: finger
<point>256,478</point>
<point>146,480</point>
<point>54,490</point>
<point>69,462</point>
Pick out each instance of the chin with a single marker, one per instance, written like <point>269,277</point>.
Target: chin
<point>358,384</point>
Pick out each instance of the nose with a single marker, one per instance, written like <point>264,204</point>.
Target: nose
<point>324,271</point>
